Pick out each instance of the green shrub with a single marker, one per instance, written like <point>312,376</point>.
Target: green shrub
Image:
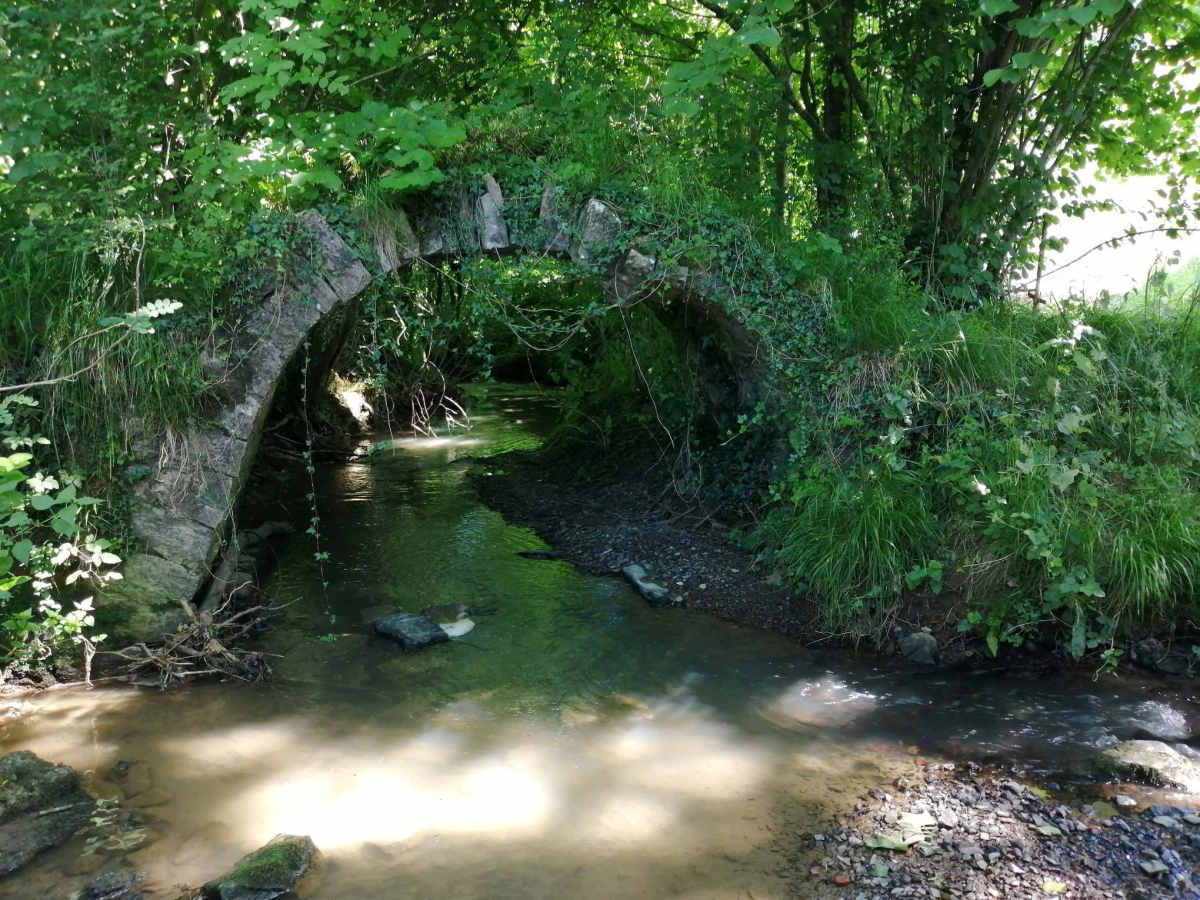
<point>852,537</point>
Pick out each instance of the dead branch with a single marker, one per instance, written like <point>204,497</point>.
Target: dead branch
<point>205,645</point>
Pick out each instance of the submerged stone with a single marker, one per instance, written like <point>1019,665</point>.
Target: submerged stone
<point>457,629</point>
<point>444,613</point>
<point>41,805</point>
<point>119,885</point>
<point>411,631</point>
<point>271,871</point>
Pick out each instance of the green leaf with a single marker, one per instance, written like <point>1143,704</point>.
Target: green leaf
<point>1071,423</point>
<point>41,502</point>
<point>1030,60</point>
<point>995,8</point>
<point>14,462</point>
<point>1032,28</point>
<point>22,549</point>
<point>1078,644</point>
<point>440,135</point>
<point>319,175</point>
<point>758,33</point>
<point>1084,364</point>
<point>886,842</point>
<point>1109,7</point>
<point>1083,15</point>
<point>1006,75</point>
<point>1064,479</point>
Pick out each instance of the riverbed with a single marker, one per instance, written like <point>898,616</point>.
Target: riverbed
<point>576,742</point>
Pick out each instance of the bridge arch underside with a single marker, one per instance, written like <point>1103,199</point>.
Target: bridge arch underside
<point>184,518</point>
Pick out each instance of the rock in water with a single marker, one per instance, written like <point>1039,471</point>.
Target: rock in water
<point>269,872</point>
<point>446,613</point>
<point>1152,762</point>
<point>41,804</point>
<point>921,648</point>
<point>410,631</point>
<point>655,594</point>
<point>452,618</point>
<point>119,885</point>
<point>459,628</point>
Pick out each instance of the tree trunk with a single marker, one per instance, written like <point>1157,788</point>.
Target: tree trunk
<point>833,189</point>
<point>783,122</point>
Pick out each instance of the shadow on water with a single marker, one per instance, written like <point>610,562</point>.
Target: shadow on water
<point>576,742</point>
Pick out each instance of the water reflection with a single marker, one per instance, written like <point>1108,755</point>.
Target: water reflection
<point>576,742</point>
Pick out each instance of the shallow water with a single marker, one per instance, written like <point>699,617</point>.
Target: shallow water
<point>576,742</point>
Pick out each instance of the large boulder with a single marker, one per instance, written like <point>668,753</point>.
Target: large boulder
<point>271,871</point>
<point>41,805</point>
<point>411,631</point>
<point>1151,762</point>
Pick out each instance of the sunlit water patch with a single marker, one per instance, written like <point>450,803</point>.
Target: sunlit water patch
<point>576,742</point>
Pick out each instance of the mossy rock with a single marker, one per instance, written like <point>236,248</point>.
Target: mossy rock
<point>269,872</point>
<point>41,805</point>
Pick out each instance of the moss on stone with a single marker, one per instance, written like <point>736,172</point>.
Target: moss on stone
<point>278,865</point>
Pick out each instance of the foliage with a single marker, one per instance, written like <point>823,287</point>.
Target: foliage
<point>45,533</point>
<point>864,179</point>
<point>850,537</point>
<point>1054,457</point>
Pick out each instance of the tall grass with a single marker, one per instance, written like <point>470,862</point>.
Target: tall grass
<point>852,538</point>
<point>1047,447</point>
<point>52,306</point>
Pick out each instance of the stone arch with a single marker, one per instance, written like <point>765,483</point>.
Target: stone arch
<point>185,503</point>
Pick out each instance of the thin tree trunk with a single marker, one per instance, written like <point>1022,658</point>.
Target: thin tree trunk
<point>1037,286</point>
<point>832,186</point>
<point>783,122</point>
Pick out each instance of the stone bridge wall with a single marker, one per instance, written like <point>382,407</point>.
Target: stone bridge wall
<point>185,505</point>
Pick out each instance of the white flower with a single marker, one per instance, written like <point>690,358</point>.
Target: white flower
<point>983,489</point>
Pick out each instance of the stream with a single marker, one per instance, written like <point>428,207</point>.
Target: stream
<point>576,743</point>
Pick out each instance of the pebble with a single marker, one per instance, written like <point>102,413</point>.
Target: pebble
<point>976,846</point>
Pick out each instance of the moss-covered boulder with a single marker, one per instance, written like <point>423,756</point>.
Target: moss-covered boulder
<point>269,872</point>
<point>1150,762</point>
<point>41,805</point>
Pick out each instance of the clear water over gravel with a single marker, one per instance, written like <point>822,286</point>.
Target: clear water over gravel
<point>575,743</point>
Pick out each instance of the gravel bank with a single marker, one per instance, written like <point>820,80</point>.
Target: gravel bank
<point>974,834</point>
<point>633,518</point>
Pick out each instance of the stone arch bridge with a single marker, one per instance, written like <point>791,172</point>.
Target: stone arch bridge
<point>190,550</point>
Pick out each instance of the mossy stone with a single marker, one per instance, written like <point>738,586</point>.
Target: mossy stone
<point>269,872</point>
